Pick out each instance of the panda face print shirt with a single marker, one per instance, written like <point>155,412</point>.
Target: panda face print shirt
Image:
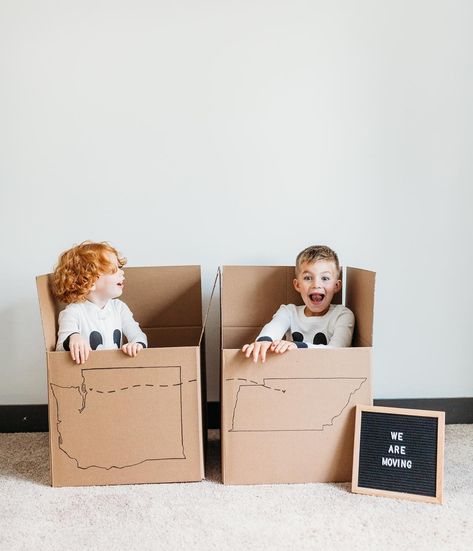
<point>334,329</point>
<point>103,328</point>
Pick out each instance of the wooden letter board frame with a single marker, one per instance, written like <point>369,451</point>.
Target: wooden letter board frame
<point>440,443</point>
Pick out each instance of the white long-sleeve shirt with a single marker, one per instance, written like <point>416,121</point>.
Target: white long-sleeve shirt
<point>334,329</point>
<point>103,327</point>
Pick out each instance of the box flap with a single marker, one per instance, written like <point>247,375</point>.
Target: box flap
<point>252,294</point>
<point>217,276</point>
<point>360,288</point>
<point>164,296</point>
<point>49,309</point>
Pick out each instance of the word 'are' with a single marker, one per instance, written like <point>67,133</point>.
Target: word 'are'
<point>396,449</point>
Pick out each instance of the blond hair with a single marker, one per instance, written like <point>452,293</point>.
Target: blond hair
<point>315,253</point>
<point>79,268</point>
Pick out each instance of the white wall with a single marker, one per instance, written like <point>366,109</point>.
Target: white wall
<point>234,132</point>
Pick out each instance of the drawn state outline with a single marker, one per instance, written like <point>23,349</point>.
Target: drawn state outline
<point>82,390</point>
<point>283,391</point>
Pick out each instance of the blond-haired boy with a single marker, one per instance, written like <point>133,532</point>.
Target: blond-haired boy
<point>317,322</point>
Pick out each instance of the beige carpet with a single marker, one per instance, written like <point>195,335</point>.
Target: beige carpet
<point>209,515</point>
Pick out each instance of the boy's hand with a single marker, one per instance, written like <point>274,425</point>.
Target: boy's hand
<point>79,348</point>
<point>132,348</point>
<point>280,346</point>
<point>257,349</point>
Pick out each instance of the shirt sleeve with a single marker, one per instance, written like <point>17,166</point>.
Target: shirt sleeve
<point>68,324</point>
<point>277,327</point>
<point>343,330</point>
<point>131,328</point>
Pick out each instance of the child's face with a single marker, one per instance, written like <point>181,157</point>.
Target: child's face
<point>317,282</point>
<point>109,285</point>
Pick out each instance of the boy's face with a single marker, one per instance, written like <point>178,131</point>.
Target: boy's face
<point>317,282</point>
<point>109,285</point>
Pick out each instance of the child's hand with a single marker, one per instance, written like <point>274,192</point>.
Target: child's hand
<point>132,348</point>
<point>79,348</point>
<point>257,349</point>
<point>280,346</point>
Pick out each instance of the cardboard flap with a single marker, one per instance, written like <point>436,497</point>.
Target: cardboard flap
<point>217,276</point>
<point>252,294</point>
<point>49,309</point>
<point>360,286</point>
<point>164,296</point>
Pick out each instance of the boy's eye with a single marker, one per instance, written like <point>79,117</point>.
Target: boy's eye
<point>325,278</point>
<point>307,278</point>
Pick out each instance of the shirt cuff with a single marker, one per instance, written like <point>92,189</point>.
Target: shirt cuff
<point>301,344</point>
<point>65,344</point>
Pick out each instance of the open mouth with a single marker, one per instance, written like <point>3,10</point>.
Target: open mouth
<point>316,298</point>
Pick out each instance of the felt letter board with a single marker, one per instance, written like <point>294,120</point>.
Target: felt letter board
<point>399,453</point>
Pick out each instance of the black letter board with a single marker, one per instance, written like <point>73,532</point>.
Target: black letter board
<point>399,453</point>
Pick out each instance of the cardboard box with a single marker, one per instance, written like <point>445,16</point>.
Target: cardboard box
<point>292,418</point>
<point>122,420</point>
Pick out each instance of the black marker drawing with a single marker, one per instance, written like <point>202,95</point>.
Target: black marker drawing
<point>291,404</point>
<point>143,420</point>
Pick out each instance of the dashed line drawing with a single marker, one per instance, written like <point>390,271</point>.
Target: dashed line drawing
<point>137,386</point>
<point>291,404</point>
<point>156,396</point>
<point>256,383</point>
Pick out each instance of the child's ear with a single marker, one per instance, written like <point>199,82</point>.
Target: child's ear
<point>93,287</point>
<point>338,285</point>
<point>295,282</point>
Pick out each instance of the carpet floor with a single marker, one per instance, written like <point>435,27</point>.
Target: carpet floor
<point>209,515</point>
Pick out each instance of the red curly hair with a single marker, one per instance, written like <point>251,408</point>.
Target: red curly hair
<point>79,268</point>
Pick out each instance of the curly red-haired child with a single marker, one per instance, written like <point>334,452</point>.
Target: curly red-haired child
<point>89,279</point>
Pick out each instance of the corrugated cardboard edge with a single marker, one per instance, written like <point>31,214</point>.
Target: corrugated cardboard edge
<point>199,411</point>
<point>220,372</point>
<point>42,286</point>
<point>204,322</point>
